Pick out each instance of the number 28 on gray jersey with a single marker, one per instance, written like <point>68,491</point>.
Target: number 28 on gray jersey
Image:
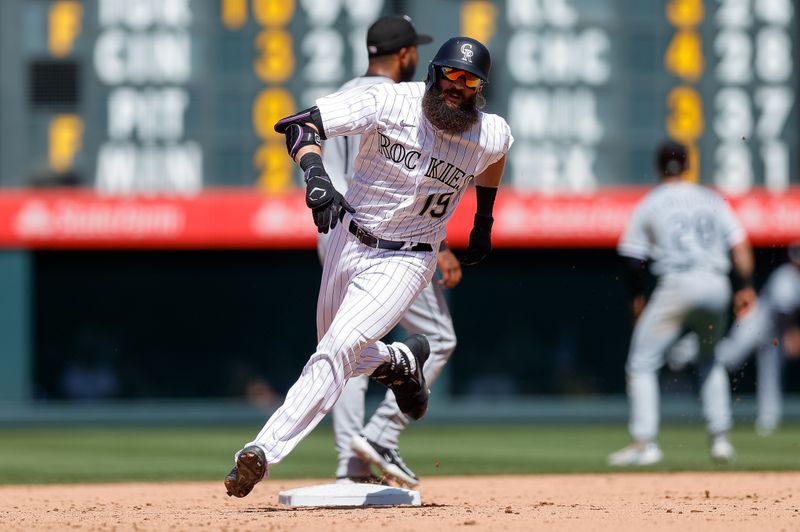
<point>680,227</point>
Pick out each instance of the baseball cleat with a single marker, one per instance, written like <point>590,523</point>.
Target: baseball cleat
<point>721,449</point>
<point>764,432</point>
<point>387,460</point>
<point>409,387</point>
<point>636,454</point>
<point>250,469</point>
<point>766,428</point>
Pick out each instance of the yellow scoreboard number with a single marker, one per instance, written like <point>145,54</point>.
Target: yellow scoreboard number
<point>274,64</point>
<point>684,59</point>
<point>65,131</point>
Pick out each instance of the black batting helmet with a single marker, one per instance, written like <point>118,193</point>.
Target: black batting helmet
<point>671,159</point>
<point>463,53</point>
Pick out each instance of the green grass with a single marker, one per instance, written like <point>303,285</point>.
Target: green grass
<point>152,454</point>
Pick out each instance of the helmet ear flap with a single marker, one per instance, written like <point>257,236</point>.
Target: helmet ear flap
<point>431,79</point>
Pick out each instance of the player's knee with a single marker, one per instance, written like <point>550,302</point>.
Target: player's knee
<point>347,341</point>
<point>643,364</point>
<point>325,365</point>
<point>728,364</point>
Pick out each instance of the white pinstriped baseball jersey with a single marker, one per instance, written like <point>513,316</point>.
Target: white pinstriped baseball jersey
<point>408,176</point>
<point>682,226</point>
<point>339,153</point>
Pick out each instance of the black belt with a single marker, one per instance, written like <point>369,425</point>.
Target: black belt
<point>374,242</point>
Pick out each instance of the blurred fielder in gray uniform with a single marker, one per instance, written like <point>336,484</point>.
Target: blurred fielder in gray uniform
<point>392,46</point>
<point>760,330</point>
<point>687,234</point>
<point>791,339</point>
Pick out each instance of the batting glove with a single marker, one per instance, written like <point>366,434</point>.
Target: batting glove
<point>480,240</point>
<point>326,203</point>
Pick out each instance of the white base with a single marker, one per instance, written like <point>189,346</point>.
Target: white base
<point>349,495</point>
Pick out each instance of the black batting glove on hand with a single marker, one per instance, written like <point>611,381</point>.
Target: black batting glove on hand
<point>326,204</point>
<point>480,240</point>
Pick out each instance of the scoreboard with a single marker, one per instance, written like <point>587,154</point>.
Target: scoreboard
<point>590,86</point>
<point>178,96</point>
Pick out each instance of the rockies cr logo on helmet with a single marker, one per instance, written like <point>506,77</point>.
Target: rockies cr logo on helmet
<point>466,52</point>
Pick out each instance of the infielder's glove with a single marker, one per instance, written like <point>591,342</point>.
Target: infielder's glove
<point>480,240</point>
<point>326,203</point>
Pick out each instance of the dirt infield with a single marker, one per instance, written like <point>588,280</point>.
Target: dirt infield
<point>635,501</point>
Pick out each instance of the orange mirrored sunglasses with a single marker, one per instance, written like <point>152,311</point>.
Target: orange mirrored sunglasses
<point>470,80</point>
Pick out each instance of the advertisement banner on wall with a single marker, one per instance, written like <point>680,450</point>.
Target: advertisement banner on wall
<point>242,219</point>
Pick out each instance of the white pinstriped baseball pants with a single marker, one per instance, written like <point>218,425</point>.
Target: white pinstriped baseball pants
<point>428,315</point>
<point>364,294</point>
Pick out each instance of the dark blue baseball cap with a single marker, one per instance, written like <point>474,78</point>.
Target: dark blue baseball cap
<point>392,32</point>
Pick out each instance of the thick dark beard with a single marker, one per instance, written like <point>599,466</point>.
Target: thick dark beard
<point>446,118</point>
<point>407,72</point>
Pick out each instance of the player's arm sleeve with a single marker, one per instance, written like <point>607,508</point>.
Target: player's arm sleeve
<point>635,275</point>
<point>502,141</point>
<point>732,228</point>
<point>349,112</point>
<point>634,247</point>
<point>635,242</point>
<point>741,253</point>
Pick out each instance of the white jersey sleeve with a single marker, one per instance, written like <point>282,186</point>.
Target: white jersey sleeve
<point>502,137</point>
<point>339,153</point>
<point>635,242</point>
<point>349,112</point>
<point>732,229</point>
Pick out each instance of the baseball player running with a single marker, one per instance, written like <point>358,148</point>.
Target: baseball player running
<point>688,234</point>
<point>421,145</point>
<point>392,47</point>
<point>757,331</point>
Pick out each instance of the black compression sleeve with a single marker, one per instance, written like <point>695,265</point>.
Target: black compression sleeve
<point>485,197</point>
<point>310,159</point>
<point>635,275</point>
<point>738,282</point>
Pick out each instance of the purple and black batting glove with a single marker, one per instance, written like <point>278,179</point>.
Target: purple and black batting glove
<point>326,203</point>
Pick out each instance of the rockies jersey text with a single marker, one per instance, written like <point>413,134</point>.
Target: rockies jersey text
<point>408,176</point>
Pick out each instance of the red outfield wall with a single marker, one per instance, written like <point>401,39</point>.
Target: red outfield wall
<point>241,218</point>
